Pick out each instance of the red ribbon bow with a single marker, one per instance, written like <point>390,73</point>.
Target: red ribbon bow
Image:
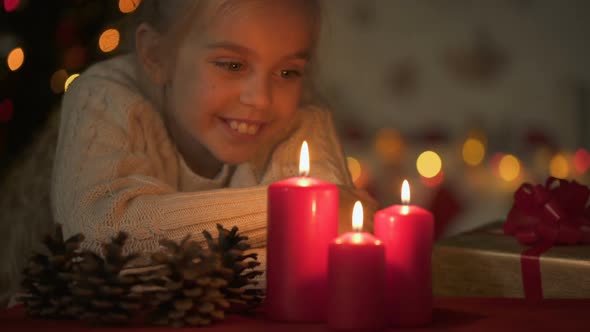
<point>556,213</point>
<point>542,216</point>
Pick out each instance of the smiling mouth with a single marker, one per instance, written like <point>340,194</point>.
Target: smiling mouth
<point>244,127</point>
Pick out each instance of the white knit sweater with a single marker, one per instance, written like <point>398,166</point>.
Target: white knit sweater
<point>116,168</point>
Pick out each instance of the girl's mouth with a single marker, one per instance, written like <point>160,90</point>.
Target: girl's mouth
<point>243,128</point>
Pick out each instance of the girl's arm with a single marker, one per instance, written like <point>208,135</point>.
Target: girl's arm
<point>116,170</point>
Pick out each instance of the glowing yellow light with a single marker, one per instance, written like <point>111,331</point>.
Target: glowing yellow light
<point>304,160</point>
<point>69,81</point>
<point>357,217</point>
<point>58,81</point>
<point>128,6</point>
<point>559,166</point>
<point>354,167</point>
<point>389,145</point>
<point>473,151</point>
<point>509,167</point>
<point>429,164</point>
<point>15,59</point>
<point>109,40</point>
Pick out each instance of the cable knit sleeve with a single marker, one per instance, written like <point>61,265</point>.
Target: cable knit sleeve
<point>327,160</point>
<point>116,170</point>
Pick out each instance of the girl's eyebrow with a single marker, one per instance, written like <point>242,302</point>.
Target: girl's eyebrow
<point>303,54</point>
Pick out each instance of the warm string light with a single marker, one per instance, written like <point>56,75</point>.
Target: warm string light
<point>559,166</point>
<point>109,40</point>
<point>354,167</point>
<point>58,81</point>
<point>429,164</point>
<point>509,168</point>
<point>128,6</point>
<point>69,81</point>
<point>15,59</point>
<point>473,151</point>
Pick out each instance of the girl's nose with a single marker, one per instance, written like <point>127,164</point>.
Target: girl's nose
<point>257,92</point>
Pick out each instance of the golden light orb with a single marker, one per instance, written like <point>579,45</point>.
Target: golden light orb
<point>509,168</point>
<point>429,164</point>
<point>473,151</point>
<point>109,40</point>
<point>15,59</point>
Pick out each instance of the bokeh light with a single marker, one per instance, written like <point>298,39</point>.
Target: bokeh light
<point>581,161</point>
<point>389,145</point>
<point>6,110</point>
<point>434,181</point>
<point>473,151</point>
<point>109,40</point>
<point>354,167</point>
<point>15,59</point>
<point>429,164</point>
<point>69,81</point>
<point>128,6</point>
<point>509,168</point>
<point>11,5</point>
<point>559,166</point>
<point>58,81</point>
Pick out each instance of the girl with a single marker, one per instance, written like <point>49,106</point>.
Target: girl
<point>189,130</point>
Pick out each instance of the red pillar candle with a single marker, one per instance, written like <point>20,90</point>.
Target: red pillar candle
<point>302,220</point>
<point>356,277</point>
<point>407,233</point>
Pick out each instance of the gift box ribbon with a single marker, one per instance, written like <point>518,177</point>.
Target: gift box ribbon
<point>542,216</point>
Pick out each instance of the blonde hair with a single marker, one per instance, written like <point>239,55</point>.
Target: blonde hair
<point>172,18</point>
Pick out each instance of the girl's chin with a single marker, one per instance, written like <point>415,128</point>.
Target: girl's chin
<point>234,158</point>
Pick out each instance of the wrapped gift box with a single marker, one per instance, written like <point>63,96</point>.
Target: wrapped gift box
<point>487,263</point>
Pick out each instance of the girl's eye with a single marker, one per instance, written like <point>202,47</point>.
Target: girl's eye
<point>290,74</point>
<point>229,65</point>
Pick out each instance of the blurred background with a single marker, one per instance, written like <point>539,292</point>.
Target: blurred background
<point>466,99</point>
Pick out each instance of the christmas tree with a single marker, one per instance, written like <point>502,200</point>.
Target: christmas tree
<point>43,46</point>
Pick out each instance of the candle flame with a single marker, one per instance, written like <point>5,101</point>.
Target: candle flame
<point>304,160</point>
<point>357,217</point>
<point>406,193</point>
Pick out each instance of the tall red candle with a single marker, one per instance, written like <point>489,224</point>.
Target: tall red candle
<point>407,233</point>
<point>356,277</point>
<point>302,220</point>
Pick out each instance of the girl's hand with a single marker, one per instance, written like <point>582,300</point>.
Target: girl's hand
<point>347,197</point>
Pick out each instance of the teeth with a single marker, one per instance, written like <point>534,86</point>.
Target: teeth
<point>252,129</point>
<point>244,128</point>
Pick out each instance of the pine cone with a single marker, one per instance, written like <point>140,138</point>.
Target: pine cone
<point>190,284</point>
<point>101,293</point>
<point>46,279</point>
<point>240,289</point>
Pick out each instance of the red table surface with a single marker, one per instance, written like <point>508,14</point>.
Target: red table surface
<point>450,314</point>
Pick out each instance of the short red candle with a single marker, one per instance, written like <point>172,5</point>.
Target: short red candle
<point>356,277</point>
<point>302,220</point>
<point>407,233</point>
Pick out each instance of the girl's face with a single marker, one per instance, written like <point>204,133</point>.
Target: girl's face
<point>237,82</point>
